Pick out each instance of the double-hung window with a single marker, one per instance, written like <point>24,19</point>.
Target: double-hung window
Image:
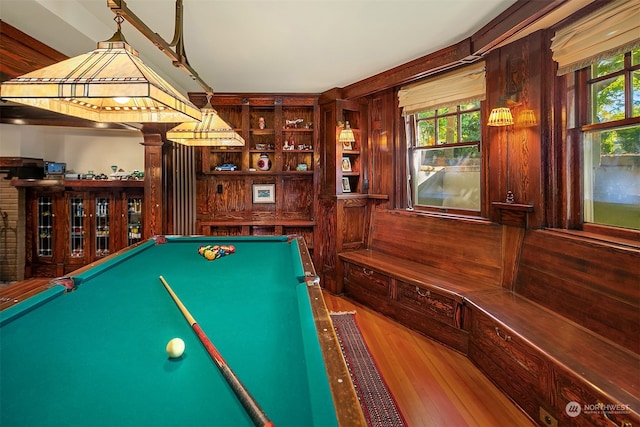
<point>443,128</point>
<point>611,142</point>
<point>444,157</point>
<point>604,49</point>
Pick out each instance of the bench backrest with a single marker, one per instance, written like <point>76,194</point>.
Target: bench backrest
<point>595,284</point>
<point>471,248</point>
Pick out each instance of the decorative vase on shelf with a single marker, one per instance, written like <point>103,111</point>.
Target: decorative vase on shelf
<point>264,162</point>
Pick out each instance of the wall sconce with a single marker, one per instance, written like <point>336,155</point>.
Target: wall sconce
<point>502,117</point>
<point>346,134</point>
<point>526,119</point>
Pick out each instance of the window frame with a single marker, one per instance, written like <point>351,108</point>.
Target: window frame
<point>411,126</point>
<point>583,107</point>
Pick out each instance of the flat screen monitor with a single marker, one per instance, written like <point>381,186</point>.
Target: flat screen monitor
<point>54,168</point>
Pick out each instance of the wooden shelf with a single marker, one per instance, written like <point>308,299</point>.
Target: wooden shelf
<point>513,213</point>
<point>77,183</point>
<point>285,223</point>
<point>259,172</point>
<point>225,202</point>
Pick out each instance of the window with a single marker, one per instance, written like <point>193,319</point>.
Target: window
<point>442,116</point>
<point>611,142</point>
<point>444,157</point>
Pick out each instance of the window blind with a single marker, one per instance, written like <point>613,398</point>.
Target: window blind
<point>609,31</point>
<point>453,88</point>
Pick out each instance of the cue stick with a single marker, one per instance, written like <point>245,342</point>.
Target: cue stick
<point>250,405</point>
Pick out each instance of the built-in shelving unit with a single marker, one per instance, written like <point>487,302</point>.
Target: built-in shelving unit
<point>269,186</point>
<point>344,203</point>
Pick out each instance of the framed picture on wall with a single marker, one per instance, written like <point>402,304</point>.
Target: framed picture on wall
<point>346,187</point>
<point>264,193</point>
<point>346,164</point>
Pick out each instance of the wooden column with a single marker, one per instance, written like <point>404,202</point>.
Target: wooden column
<point>153,189</point>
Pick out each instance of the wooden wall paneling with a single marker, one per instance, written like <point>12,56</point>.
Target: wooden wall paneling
<point>555,95</point>
<point>22,53</point>
<point>354,214</point>
<point>432,63</point>
<point>536,90</point>
<point>592,283</point>
<point>381,159</point>
<point>494,138</point>
<point>297,198</point>
<point>509,22</point>
<point>328,168</point>
<point>326,243</point>
<point>231,203</point>
<point>203,187</point>
<point>471,247</point>
<point>512,238</point>
<point>517,82</point>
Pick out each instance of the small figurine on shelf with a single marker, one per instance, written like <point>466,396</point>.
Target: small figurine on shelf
<point>261,123</point>
<point>264,162</point>
<point>293,124</point>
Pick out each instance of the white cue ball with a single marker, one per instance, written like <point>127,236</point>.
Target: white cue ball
<point>175,348</point>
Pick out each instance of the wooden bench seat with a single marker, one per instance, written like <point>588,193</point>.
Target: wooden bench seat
<point>552,317</point>
<point>541,358</point>
<point>415,271</point>
<point>452,283</point>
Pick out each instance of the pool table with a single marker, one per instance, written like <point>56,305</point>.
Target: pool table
<point>90,350</point>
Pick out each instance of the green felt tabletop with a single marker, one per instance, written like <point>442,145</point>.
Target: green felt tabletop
<point>96,356</point>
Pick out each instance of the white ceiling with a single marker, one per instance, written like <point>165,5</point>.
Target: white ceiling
<point>266,46</point>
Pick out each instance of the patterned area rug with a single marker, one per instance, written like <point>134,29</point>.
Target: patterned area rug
<point>379,406</point>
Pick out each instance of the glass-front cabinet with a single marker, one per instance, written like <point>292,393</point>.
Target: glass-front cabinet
<point>102,217</point>
<point>134,220</point>
<point>70,224</point>
<point>44,233</point>
<point>77,227</point>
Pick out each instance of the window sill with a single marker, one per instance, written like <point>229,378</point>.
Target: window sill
<point>623,236</point>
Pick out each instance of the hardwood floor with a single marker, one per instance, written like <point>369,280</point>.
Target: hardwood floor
<point>433,385</point>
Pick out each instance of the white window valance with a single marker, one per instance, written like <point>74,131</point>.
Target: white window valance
<point>609,31</point>
<point>453,88</point>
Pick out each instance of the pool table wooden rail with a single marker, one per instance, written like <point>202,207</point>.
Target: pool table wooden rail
<point>15,293</point>
<point>550,316</point>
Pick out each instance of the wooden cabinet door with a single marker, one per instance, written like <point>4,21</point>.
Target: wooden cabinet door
<point>77,230</point>
<point>45,237</point>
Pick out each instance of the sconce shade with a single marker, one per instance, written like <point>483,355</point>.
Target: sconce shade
<point>346,134</point>
<point>213,131</point>
<point>110,84</point>
<point>526,118</point>
<point>500,117</point>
